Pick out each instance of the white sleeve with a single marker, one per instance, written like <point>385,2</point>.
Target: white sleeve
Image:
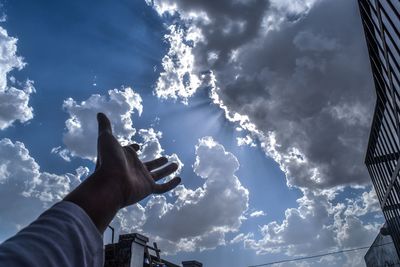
<point>64,236</point>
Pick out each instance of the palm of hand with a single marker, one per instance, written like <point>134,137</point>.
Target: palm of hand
<point>122,166</point>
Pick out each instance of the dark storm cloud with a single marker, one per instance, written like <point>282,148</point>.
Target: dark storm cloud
<point>308,81</point>
<point>225,24</point>
<point>316,92</point>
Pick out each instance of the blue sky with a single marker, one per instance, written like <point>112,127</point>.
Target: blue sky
<point>79,49</point>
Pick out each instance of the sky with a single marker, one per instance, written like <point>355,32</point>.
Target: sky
<point>266,105</point>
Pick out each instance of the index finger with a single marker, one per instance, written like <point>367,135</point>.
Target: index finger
<point>104,123</point>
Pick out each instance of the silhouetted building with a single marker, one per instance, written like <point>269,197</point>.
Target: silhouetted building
<point>381,21</point>
<point>191,264</point>
<point>132,251</point>
<point>382,252</point>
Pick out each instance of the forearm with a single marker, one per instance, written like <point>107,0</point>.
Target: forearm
<point>63,236</point>
<point>99,197</point>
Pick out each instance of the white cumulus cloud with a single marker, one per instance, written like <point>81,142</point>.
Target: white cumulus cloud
<point>151,147</point>
<point>317,226</point>
<point>199,218</point>
<point>177,80</point>
<point>257,213</point>
<point>25,190</point>
<point>81,126</point>
<point>14,95</point>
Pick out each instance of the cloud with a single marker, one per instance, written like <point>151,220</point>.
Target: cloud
<point>198,218</point>
<point>62,152</point>
<point>290,9</point>
<point>245,141</point>
<point>354,232</point>
<point>241,237</point>
<point>177,80</point>
<point>14,102</point>
<point>368,202</point>
<point>81,125</point>
<point>309,41</point>
<point>25,190</point>
<point>295,76</point>
<point>151,147</point>
<point>301,85</point>
<point>324,227</point>
<point>257,213</point>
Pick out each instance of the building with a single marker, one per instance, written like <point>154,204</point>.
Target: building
<point>132,250</point>
<point>382,252</point>
<point>381,21</point>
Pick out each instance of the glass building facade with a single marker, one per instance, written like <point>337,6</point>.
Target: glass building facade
<point>381,21</point>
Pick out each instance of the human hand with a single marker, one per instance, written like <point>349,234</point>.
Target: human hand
<point>121,165</point>
<point>120,179</point>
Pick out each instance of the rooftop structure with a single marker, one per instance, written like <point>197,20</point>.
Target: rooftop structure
<point>132,250</point>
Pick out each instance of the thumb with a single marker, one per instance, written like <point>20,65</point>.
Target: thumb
<point>104,123</point>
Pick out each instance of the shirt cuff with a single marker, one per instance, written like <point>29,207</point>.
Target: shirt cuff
<point>89,230</point>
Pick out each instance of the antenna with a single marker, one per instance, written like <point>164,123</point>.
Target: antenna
<point>112,233</point>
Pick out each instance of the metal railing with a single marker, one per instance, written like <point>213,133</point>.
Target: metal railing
<point>381,22</point>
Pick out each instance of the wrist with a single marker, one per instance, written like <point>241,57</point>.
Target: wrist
<point>99,197</point>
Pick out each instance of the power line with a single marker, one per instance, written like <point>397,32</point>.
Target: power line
<point>317,256</point>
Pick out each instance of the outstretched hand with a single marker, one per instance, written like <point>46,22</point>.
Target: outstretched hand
<point>122,165</point>
<point>120,178</point>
